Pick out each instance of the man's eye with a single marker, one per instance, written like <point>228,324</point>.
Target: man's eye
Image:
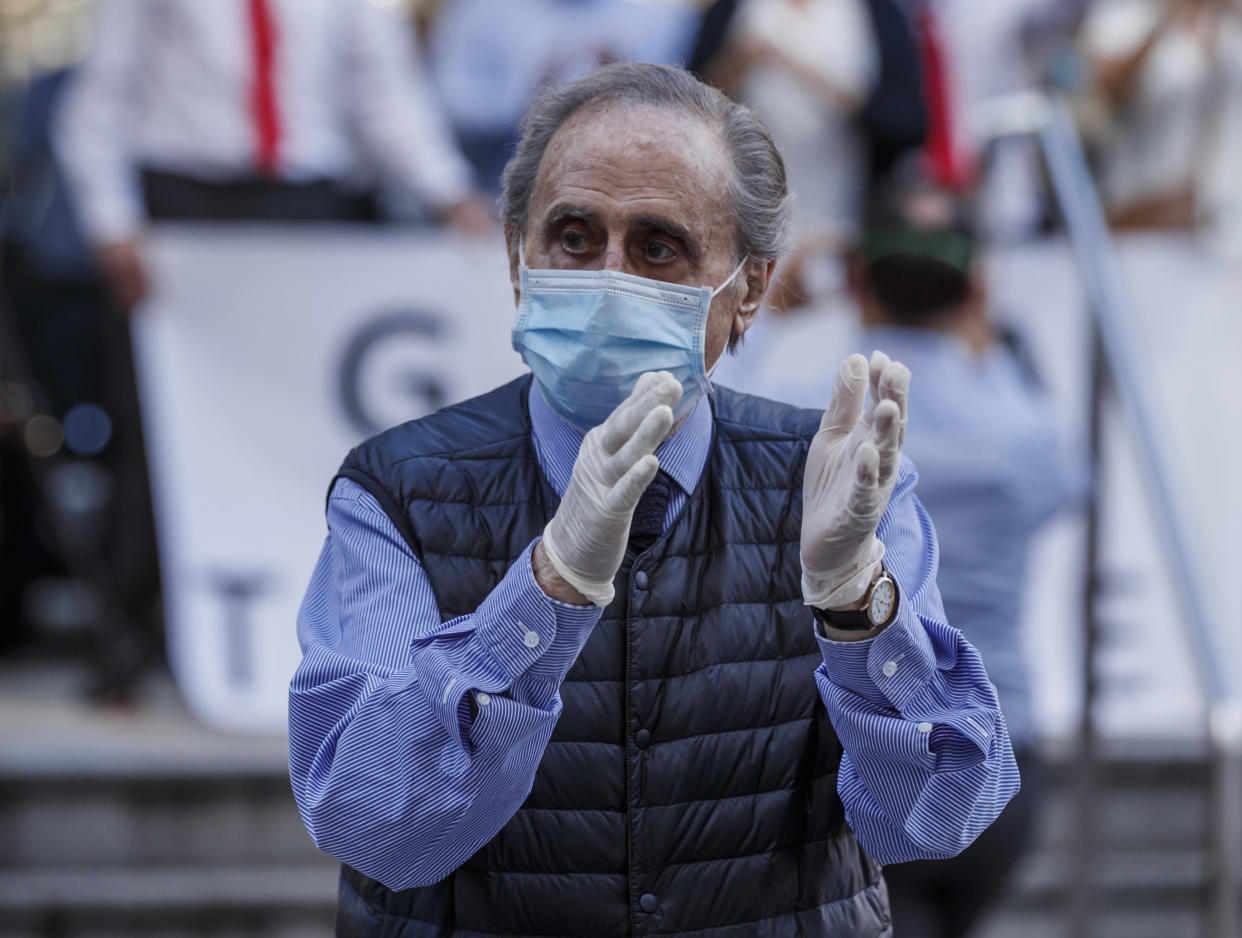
<point>659,251</point>
<point>573,240</point>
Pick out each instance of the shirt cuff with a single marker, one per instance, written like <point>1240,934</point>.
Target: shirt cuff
<point>890,669</point>
<point>526,631</point>
<point>110,217</point>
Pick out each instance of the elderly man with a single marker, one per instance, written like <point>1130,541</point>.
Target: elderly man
<point>560,673</point>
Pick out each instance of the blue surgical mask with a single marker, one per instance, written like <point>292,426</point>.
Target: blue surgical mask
<point>588,335</point>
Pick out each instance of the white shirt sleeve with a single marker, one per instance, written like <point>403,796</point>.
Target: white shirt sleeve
<point>832,38</point>
<point>395,115</point>
<point>93,130</point>
<point>1114,28</point>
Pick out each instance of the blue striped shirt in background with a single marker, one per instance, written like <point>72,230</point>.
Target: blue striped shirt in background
<point>394,776</point>
<point>993,470</point>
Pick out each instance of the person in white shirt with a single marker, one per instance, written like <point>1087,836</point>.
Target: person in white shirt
<point>985,48</point>
<point>489,57</point>
<point>1172,72</point>
<point>248,108</point>
<point>806,67</point>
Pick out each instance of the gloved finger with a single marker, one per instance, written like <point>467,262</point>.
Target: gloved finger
<point>887,440</point>
<point>848,393</point>
<point>622,422</point>
<point>623,497</point>
<point>641,386</point>
<point>874,368</point>
<point>651,389</point>
<point>895,386</point>
<point>650,434</point>
<point>879,361</point>
<point>865,492</point>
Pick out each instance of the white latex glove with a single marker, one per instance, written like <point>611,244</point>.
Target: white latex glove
<point>585,540</point>
<point>851,470</point>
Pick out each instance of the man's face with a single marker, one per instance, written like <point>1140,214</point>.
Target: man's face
<point>642,190</point>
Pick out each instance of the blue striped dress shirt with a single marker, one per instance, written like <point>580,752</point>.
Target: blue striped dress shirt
<point>396,774</point>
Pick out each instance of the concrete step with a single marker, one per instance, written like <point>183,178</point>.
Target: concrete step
<point>1138,818</point>
<point>170,902</point>
<point>1135,894</point>
<point>146,786</point>
<point>172,889</point>
<point>146,824</point>
<point>1007,922</point>
<point>245,814</point>
<point>145,821</point>
<point>1133,879</point>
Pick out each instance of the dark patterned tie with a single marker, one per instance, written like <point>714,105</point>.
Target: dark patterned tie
<point>649,514</point>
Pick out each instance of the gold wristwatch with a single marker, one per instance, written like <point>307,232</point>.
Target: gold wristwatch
<point>879,608</point>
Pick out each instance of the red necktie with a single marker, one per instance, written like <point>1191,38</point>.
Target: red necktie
<point>263,111</point>
<point>948,165</point>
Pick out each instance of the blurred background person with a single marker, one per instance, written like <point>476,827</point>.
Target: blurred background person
<point>76,526</point>
<point>35,253</point>
<point>249,110</point>
<point>992,471</point>
<point>489,57</point>
<point>276,110</point>
<point>806,67</point>
<point>974,53</point>
<point>841,85</point>
<point>1170,72</point>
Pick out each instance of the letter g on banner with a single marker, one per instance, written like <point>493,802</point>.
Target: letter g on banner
<point>393,369</point>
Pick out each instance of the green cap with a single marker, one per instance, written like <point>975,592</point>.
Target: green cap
<point>946,245</point>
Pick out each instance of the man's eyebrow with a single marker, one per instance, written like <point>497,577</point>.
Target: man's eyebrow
<point>670,227</point>
<point>562,213</point>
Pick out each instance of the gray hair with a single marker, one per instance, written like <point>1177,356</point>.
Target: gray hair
<point>761,200</point>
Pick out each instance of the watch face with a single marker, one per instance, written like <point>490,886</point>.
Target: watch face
<point>883,597</point>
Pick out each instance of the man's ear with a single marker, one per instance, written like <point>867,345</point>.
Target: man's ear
<point>756,275</point>
<point>511,247</point>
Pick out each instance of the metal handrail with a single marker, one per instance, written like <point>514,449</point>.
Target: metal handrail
<point>1118,358</point>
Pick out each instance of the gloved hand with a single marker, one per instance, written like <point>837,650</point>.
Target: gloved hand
<point>585,540</point>
<point>851,470</point>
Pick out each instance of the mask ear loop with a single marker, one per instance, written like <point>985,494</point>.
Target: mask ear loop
<point>736,270</point>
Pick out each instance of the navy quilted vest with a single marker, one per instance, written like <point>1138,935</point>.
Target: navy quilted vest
<point>690,784</point>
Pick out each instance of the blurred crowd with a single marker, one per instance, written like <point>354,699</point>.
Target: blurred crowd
<point>121,113</point>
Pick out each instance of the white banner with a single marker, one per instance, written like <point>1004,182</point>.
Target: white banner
<point>264,356</point>
<point>268,353</point>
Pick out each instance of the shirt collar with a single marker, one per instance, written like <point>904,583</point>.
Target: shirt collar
<point>683,455</point>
